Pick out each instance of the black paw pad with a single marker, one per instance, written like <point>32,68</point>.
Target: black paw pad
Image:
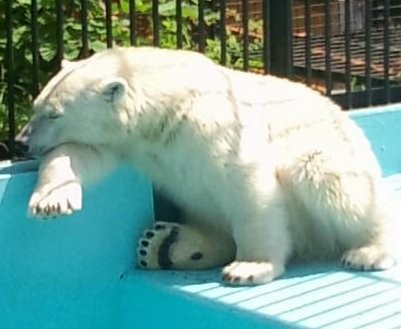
<point>144,243</point>
<point>197,255</point>
<point>164,251</point>
<point>149,234</point>
<point>160,227</point>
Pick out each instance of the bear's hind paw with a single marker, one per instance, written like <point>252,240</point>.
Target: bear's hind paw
<point>154,246</point>
<point>368,258</point>
<point>177,246</point>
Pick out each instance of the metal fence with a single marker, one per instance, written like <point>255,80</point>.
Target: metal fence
<point>350,50</point>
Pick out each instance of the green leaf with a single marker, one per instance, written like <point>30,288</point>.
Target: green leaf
<point>190,12</point>
<point>124,6</point>
<point>22,2</point>
<point>18,33</point>
<point>97,46</point>
<point>47,51</point>
<point>167,9</point>
<point>72,54</point>
<point>143,7</point>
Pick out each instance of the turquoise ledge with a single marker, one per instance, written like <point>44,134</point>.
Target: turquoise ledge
<point>79,272</point>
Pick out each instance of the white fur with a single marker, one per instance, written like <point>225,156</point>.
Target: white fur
<point>269,162</point>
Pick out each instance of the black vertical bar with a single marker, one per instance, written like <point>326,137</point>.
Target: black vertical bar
<point>223,34</point>
<point>10,76</point>
<point>386,46</point>
<point>201,26</point>
<point>35,48</point>
<point>348,77</point>
<point>280,24</point>
<point>245,34</point>
<point>214,7</point>
<point>178,14</point>
<point>266,36</point>
<point>156,23</point>
<point>308,44</point>
<point>132,22</point>
<point>84,23</point>
<point>59,32</point>
<point>327,37</point>
<point>368,52</point>
<point>109,24</point>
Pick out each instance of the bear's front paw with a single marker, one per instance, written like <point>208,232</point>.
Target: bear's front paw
<point>248,273</point>
<point>47,202</point>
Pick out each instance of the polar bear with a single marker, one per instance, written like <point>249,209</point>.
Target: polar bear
<point>265,169</point>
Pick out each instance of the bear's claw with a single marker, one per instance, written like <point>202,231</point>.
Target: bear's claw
<point>240,273</point>
<point>368,258</point>
<point>57,201</point>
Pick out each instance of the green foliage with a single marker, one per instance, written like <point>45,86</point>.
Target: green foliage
<point>49,55</point>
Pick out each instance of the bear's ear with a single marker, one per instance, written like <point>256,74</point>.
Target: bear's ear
<point>114,89</point>
<point>65,63</point>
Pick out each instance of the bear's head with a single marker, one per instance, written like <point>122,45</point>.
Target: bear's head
<point>84,103</point>
<point>123,96</point>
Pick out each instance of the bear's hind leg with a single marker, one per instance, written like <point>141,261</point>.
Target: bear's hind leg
<point>382,249</point>
<point>184,247</point>
<point>350,210</point>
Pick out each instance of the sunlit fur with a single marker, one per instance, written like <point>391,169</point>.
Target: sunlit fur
<point>269,162</point>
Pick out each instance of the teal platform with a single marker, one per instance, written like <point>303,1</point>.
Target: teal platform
<point>79,272</point>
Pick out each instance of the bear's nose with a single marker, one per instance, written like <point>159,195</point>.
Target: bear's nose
<point>22,141</point>
<point>24,135</point>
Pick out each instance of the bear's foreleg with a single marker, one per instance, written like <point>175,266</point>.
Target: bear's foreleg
<point>263,244</point>
<point>62,174</point>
